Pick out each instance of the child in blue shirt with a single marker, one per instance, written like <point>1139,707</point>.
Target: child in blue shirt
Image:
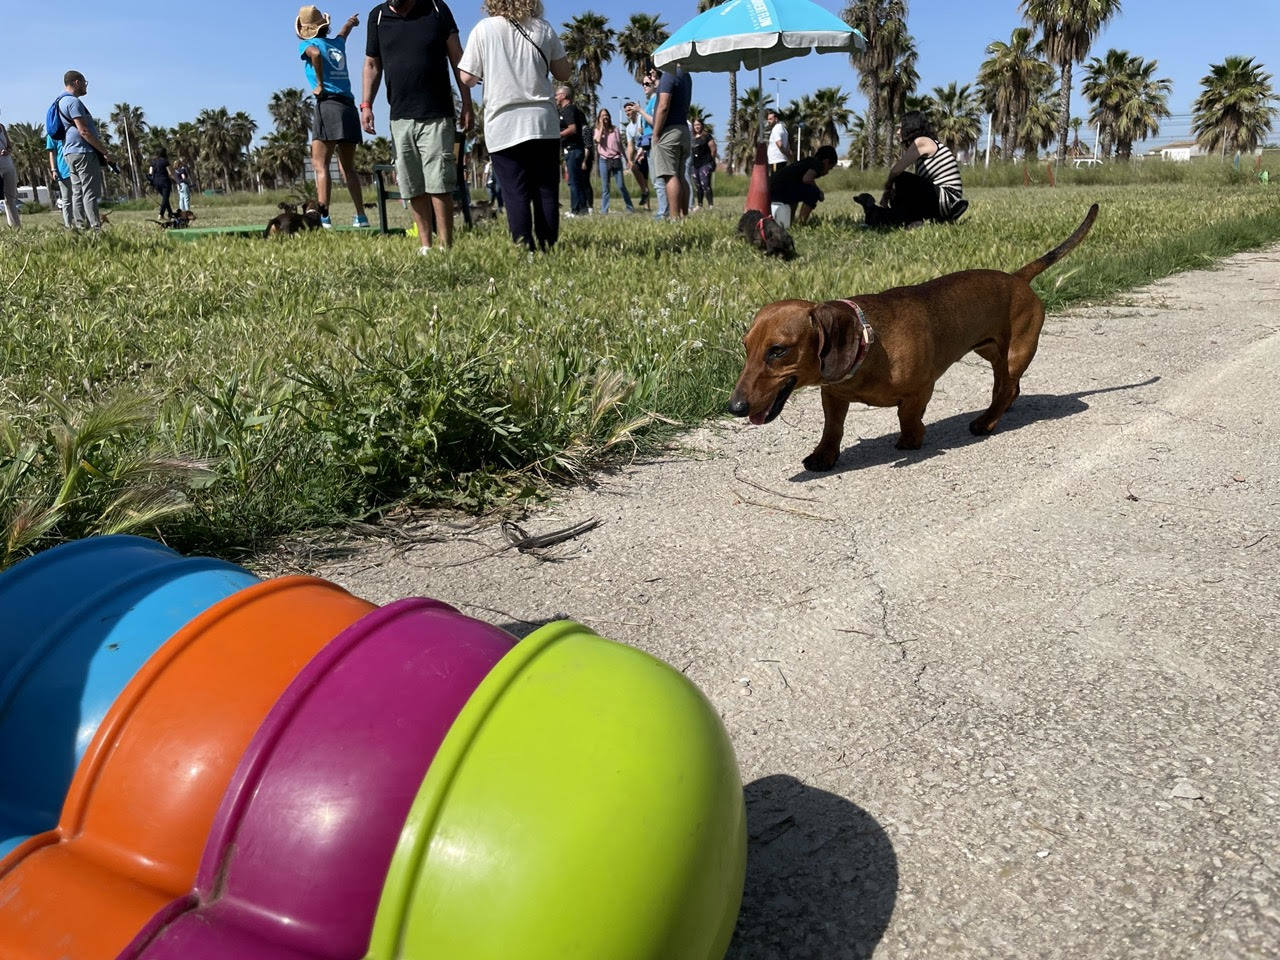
<point>336,122</point>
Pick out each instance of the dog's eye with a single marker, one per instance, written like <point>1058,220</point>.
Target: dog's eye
<point>777,353</point>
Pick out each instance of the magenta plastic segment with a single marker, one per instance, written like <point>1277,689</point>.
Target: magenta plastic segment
<point>300,846</point>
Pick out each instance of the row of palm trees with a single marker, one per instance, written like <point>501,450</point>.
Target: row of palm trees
<point>217,146</point>
<point>1024,84</point>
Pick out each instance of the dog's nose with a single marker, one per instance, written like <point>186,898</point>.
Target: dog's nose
<point>738,406</point>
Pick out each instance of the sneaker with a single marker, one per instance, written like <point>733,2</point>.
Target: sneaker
<point>426,251</point>
<point>326,223</point>
<point>360,220</point>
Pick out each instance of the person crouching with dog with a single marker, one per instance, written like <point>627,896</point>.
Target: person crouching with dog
<point>336,124</point>
<point>923,184</point>
<point>796,183</point>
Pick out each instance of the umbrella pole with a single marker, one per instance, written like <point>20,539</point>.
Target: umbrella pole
<point>758,188</point>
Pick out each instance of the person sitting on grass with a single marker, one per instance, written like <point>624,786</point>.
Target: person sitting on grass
<point>795,184</point>
<point>932,191</point>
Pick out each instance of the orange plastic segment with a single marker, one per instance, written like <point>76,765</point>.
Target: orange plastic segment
<point>143,798</point>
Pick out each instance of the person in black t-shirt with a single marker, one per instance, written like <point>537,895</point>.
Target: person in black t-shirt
<point>416,43</point>
<point>796,182</point>
<point>158,176</point>
<point>573,126</point>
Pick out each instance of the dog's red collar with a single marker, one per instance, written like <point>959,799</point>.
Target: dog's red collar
<point>760,225</point>
<point>866,336</point>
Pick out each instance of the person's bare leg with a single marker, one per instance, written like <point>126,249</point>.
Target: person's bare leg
<point>683,184</point>
<point>347,164</point>
<point>803,215</point>
<point>442,204</point>
<point>420,206</point>
<point>320,154</point>
<point>675,210</point>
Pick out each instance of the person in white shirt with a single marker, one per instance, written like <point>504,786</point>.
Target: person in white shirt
<point>779,142</point>
<point>514,52</point>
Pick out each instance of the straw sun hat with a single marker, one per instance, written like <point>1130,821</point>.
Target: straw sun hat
<point>310,21</point>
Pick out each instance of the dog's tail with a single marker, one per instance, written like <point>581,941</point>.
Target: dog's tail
<point>1036,267</point>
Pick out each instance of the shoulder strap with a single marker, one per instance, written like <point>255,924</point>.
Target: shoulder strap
<point>524,33</point>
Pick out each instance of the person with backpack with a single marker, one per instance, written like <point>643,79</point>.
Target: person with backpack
<point>158,176</point>
<point>70,121</point>
<point>62,174</point>
<point>415,42</point>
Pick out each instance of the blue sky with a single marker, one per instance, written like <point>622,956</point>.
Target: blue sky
<point>173,60</point>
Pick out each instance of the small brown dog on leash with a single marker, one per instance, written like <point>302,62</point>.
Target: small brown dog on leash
<point>888,349</point>
<point>766,234</point>
<point>288,221</point>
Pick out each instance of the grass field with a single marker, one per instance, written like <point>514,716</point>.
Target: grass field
<point>230,390</point>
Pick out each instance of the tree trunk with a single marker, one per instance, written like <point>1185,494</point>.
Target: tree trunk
<point>1064,110</point>
<point>873,120</point>
<point>732,132</point>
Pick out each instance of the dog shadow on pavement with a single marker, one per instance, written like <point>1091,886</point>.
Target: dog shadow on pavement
<point>953,433</point>
<point>822,876</point>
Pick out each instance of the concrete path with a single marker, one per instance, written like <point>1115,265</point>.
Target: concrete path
<point>1009,697</point>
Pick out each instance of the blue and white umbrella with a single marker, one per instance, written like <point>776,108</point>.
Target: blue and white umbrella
<point>754,33</point>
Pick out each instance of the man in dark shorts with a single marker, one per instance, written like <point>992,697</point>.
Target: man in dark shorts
<point>336,124</point>
<point>795,184</point>
<point>416,43</point>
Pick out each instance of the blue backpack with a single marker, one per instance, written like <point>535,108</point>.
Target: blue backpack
<point>55,121</point>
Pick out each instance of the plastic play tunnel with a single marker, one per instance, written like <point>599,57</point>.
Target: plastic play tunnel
<point>281,771</point>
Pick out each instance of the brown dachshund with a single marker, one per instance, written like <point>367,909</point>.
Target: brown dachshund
<point>888,349</point>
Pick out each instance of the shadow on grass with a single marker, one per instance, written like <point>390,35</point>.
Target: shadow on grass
<point>822,875</point>
<point>953,432</point>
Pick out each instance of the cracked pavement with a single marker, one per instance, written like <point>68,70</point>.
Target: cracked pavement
<point>1001,697</point>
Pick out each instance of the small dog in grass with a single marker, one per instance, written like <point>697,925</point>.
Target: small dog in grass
<point>180,220</point>
<point>289,221</point>
<point>767,235</point>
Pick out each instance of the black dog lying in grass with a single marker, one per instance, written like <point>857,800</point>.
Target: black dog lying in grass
<point>766,234</point>
<point>289,221</point>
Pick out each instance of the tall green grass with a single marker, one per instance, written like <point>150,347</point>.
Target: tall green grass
<point>262,387</point>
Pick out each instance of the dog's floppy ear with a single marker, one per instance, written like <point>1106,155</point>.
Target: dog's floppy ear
<point>837,341</point>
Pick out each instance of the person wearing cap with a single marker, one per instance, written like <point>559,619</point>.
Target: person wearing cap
<point>336,125</point>
<point>416,43</point>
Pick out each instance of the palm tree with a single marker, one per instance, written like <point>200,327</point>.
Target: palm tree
<point>279,158</point>
<point>643,34</point>
<point>129,124</point>
<point>1037,128</point>
<point>860,140</point>
<point>291,110</point>
<point>753,100</point>
<point>589,45</point>
<point>1234,110</point>
<point>957,117</point>
<point>1069,28</point>
<point>731,135</point>
<point>881,23</point>
<point>243,127</point>
<point>218,145</point>
<point>1077,148</point>
<point>829,114</point>
<point>26,144</point>
<point>899,84</point>
<point>1128,103</point>
<point>1006,80</point>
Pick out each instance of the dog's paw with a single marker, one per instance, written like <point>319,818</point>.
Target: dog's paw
<point>820,461</point>
<point>979,427</point>
<point>908,443</point>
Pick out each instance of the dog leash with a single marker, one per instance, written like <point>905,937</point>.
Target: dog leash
<point>866,336</point>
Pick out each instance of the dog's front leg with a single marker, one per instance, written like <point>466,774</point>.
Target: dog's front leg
<point>825,454</point>
<point>911,419</point>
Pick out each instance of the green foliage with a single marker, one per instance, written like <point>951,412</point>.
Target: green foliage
<point>289,384</point>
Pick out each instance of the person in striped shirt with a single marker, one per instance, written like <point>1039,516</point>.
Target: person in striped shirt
<point>923,184</point>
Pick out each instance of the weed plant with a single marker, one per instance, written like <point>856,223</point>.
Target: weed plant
<point>232,389</point>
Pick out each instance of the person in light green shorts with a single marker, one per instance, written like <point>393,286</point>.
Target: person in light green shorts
<point>415,42</point>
